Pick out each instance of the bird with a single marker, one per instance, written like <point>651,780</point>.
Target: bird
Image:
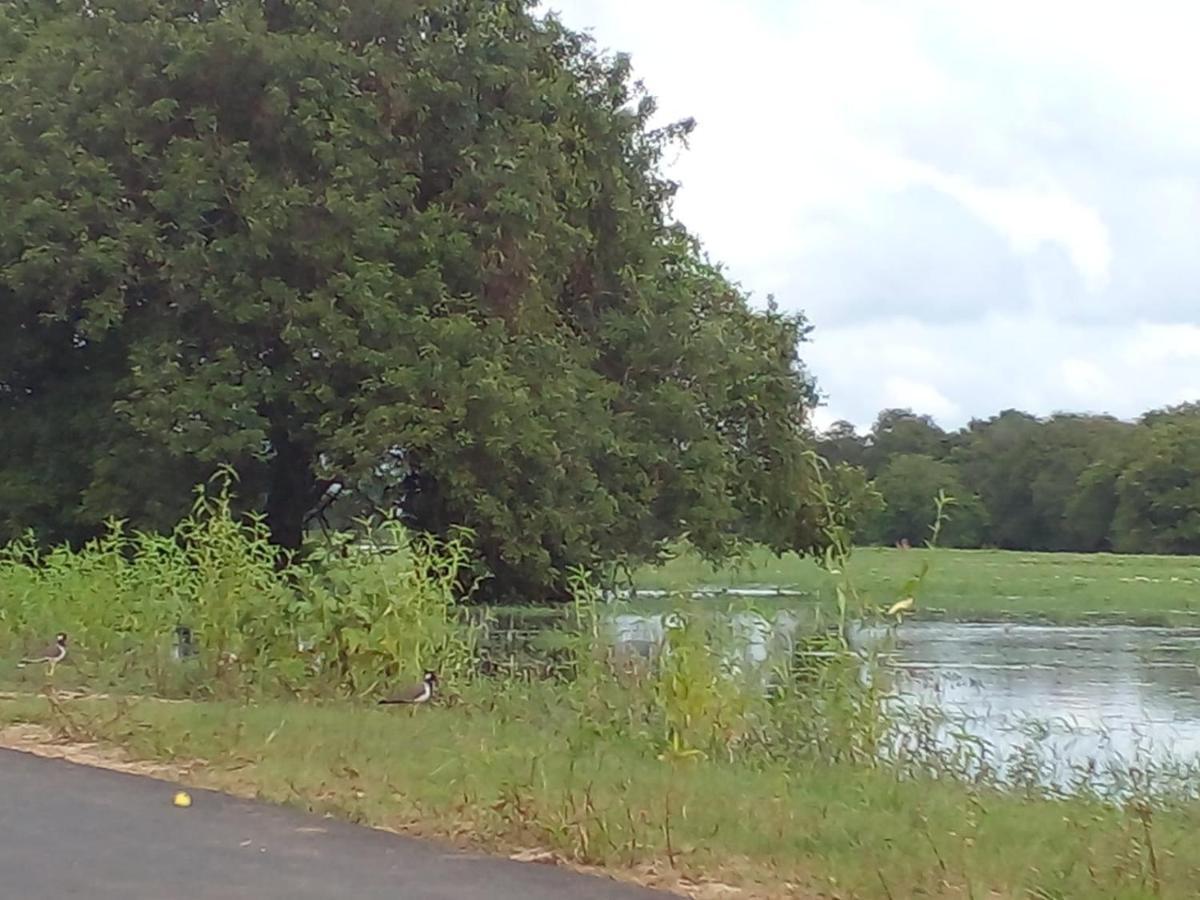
<point>52,654</point>
<point>900,606</point>
<point>421,692</point>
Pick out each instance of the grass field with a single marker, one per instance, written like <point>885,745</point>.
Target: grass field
<point>522,770</point>
<point>679,767</point>
<point>971,584</point>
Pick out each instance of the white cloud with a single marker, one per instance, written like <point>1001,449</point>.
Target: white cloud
<point>1083,378</point>
<point>979,205</point>
<point>1029,218</point>
<point>1032,363</point>
<point>1151,342</point>
<point>901,393</point>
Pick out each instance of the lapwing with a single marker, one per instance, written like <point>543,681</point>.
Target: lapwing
<point>421,692</point>
<point>51,655</point>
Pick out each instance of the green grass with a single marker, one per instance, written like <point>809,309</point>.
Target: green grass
<point>971,584</point>
<point>523,769</point>
<point>681,766</point>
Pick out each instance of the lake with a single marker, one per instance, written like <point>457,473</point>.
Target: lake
<point>1106,699</point>
<point>1053,705</point>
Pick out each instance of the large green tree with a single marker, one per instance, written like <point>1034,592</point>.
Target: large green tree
<point>1044,481</point>
<point>422,242</point>
<point>1071,488</point>
<point>841,443</point>
<point>909,485</point>
<point>901,431</point>
<point>1073,482</point>
<point>998,464</point>
<point>1158,490</point>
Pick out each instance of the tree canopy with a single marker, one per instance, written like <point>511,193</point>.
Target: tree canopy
<point>909,485</point>
<point>419,249</point>
<point>1067,482</point>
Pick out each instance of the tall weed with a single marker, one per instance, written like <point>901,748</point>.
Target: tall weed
<point>207,610</point>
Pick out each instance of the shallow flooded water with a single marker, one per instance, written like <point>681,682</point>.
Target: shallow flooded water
<point>1070,699</point>
<point>1052,705</point>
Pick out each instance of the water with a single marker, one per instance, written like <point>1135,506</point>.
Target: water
<point>1052,705</point>
<point>757,634</point>
<point>1068,699</point>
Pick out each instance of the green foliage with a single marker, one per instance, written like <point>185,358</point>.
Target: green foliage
<point>690,758</point>
<point>841,443</point>
<point>908,484</point>
<point>345,626</point>
<point>1065,483</point>
<point>1158,490</point>
<point>516,769</point>
<point>702,704</point>
<point>423,249</point>
<point>352,621</point>
<point>857,497</point>
<point>1030,474</point>
<point>998,463</point>
<point>899,432</point>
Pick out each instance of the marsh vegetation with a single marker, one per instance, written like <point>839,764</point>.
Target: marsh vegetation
<point>785,767</point>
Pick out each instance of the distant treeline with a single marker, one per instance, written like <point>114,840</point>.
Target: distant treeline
<point>1068,482</point>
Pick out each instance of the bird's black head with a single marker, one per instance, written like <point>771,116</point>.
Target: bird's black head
<point>61,639</point>
<point>430,677</point>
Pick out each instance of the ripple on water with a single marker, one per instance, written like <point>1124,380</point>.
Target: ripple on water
<point>1128,694</point>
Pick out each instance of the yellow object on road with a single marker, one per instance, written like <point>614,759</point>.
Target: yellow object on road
<point>900,606</point>
<point>183,798</point>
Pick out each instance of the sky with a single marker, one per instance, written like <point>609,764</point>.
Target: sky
<point>978,206</point>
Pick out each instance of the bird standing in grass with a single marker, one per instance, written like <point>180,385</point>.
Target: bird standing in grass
<point>52,654</point>
<point>421,692</point>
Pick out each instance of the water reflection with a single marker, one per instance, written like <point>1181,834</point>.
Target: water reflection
<point>754,636</point>
<point>1076,696</point>
<point>1063,699</point>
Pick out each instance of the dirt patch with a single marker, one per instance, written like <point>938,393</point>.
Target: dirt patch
<point>41,741</point>
<point>653,876</point>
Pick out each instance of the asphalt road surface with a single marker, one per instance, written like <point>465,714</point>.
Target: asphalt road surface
<point>74,831</point>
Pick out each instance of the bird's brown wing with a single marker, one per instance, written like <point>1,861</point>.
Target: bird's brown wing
<point>45,654</point>
<point>405,695</point>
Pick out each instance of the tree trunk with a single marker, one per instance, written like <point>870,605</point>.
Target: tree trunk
<point>291,493</point>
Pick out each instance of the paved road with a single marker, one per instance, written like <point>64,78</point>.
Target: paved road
<point>72,831</point>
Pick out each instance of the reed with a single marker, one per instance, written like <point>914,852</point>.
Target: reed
<point>792,775</point>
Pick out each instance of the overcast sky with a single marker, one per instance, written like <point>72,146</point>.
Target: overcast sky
<point>978,205</point>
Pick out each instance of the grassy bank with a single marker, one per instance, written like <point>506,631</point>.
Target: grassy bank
<point>522,770</point>
<point>972,584</point>
<point>791,778</point>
